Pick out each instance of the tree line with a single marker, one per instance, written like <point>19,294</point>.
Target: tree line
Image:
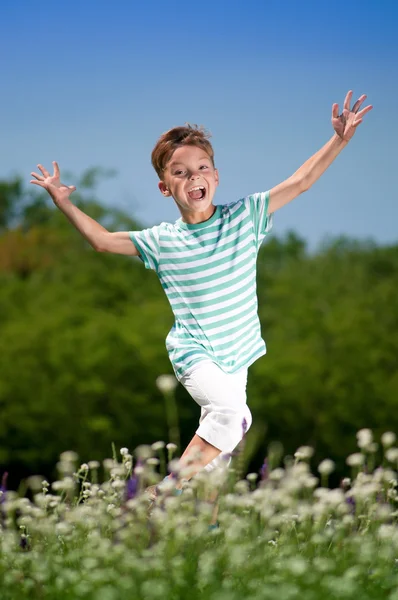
<point>82,341</point>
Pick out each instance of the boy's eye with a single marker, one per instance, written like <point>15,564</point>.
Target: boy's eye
<point>178,172</point>
<point>204,167</point>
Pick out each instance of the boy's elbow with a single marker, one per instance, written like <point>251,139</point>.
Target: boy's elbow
<point>304,184</point>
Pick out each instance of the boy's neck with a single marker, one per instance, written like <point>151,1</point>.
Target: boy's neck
<point>200,217</point>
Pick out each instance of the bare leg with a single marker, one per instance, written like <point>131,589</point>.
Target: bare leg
<point>207,454</point>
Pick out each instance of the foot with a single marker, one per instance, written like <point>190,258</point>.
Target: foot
<point>151,492</point>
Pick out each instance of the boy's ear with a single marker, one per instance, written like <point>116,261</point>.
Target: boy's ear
<point>164,189</point>
<point>217,178</point>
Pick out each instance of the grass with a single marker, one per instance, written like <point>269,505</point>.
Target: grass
<point>284,534</point>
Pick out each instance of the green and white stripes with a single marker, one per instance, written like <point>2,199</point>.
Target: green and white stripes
<point>208,271</point>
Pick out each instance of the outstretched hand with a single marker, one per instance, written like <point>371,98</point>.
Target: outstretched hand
<point>52,183</point>
<point>346,123</point>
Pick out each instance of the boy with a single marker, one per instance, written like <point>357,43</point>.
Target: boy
<point>206,263</point>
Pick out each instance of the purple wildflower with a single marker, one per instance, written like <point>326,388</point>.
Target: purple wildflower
<point>132,487</point>
<point>351,502</point>
<point>264,470</point>
<point>227,456</point>
<point>133,483</point>
<point>244,426</point>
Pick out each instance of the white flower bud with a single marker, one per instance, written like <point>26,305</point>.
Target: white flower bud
<point>364,438</point>
<point>326,467</point>
<point>166,383</point>
<point>109,463</point>
<point>304,452</point>
<point>355,460</point>
<point>277,474</point>
<point>68,456</point>
<point>124,451</point>
<point>388,438</point>
<point>392,454</point>
<point>158,446</point>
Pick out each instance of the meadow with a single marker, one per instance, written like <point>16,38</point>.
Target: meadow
<point>283,532</point>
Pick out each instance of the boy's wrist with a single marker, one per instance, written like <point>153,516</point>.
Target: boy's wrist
<point>339,141</point>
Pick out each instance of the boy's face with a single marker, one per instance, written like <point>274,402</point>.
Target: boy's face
<point>191,179</point>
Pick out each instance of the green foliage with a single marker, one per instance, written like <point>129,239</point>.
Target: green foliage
<point>82,340</point>
<point>281,536</point>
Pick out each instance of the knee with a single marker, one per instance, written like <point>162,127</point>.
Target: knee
<point>238,421</point>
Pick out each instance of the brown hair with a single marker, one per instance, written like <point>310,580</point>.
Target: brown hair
<point>187,135</point>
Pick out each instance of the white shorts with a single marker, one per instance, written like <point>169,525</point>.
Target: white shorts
<point>225,416</point>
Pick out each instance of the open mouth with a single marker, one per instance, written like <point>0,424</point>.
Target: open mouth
<point>197,193</point>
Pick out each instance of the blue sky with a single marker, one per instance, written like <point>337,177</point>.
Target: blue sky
<point>96,83</point>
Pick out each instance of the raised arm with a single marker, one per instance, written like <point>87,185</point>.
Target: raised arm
<point>97,236</point>
<point>344,126</point>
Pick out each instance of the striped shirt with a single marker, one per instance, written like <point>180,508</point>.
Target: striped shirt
<point>208,272</point>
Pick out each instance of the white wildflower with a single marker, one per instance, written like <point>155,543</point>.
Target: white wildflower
<point>84,467</point>
<point>34,482</point>
<point>93,464</point>
<point>390,476</point>
<point>124,451</point>
<point>65,484</point>
<point>304,452</point>
<point>392,454</point>
<point>297,566</point>
<point>109,463</point>
<point>158,446</point>
<point>68,456</point>
<point>355,460</point>
<point>364,438</point>
<point>153,461</point>
<point>386,532</point>
<point>166,383</point>
<point>117,472</point>
<point>277,474</point>
<point>392,494</point>
<point>388,438</point>
<point>326,467</point>
<point>118,484</point>
<point>251,476</point>
<point>63,528</point>
<point>144,451</point>
<point>171,447</point>
<point>310,481</point>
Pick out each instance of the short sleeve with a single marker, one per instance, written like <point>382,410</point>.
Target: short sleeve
<point>257,204</point>
<point>147,244</point>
